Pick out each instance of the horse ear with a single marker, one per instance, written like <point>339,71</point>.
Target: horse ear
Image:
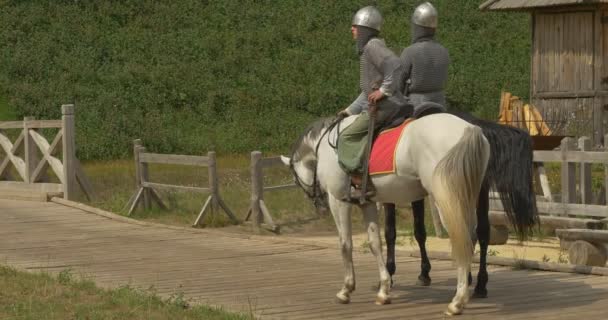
<point>286,160</point>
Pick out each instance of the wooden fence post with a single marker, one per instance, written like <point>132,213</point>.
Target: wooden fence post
<point>143,171</point>
<point>29,151</point>
<point>213,181</point>
<point>606,171</point>
<point>136,145</point>
<point>568,173</point>
<point>257,190</point>
<point>214,200</point>
<point>584,144</point>
<point>69,152</point>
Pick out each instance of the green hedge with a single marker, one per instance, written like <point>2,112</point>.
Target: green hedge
<point>190,75</point>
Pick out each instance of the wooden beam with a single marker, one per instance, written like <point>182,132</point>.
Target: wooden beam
<point>500,218</point>
<point>568,175</point>
<point>174,187</point>
<point>11,124</point>
<point>41,124</point>
<point>47,154</point>
<point>174,159</point>
<point>584,144</point>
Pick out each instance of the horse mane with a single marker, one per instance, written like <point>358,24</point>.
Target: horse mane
<point>312,132</point>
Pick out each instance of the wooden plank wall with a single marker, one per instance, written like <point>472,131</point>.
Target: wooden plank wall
<point>578,112</point>
<point>563,52</point>
<point>565,66</point>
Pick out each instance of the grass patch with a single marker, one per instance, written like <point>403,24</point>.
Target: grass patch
<point>43,296</point>
<point>6,112</point>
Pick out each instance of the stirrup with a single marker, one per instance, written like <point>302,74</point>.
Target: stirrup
<point>354,195</point>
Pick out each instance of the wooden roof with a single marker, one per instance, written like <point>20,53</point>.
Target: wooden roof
<point>529,4</point>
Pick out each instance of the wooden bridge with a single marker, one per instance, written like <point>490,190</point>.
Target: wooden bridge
<point>274,277</point>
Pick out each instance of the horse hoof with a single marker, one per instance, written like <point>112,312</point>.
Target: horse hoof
<point>341,299</point>
<point>454,309</point>
<point>480,294</point>
<point>383,300</point>
<point>423,282</point>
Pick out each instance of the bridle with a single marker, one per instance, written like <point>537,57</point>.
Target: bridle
<point>317,195</point>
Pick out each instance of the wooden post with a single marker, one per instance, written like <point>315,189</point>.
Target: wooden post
<point>214,199</point>
<point>257,190</point>
<point>69,152</point>
<point>29,151</point>
<point>584,144</point>
<point>543,180</point>
<point>137,144</point>
<point>213,181</point>
<point>606,170</point>
<point>143,171</point>
<point>568,173</point>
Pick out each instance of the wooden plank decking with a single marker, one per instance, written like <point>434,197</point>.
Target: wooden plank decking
<point>276,278</point>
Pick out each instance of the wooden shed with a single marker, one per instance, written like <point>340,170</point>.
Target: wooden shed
<point>569,62</point>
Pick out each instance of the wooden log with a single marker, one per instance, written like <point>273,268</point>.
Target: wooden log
<point>499,234</point>
<point>584,253</point>
<point>525,264</point>
<point>500,218</point>
<point>69,151</point>
<point>595,236</point>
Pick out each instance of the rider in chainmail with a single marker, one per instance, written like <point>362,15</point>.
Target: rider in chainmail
<point>425,61</point>
<point>380,71</point>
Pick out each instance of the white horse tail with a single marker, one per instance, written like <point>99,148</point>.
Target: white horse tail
<point>457,181</point>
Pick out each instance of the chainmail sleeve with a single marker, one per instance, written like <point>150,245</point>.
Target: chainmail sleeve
<point>387,63</point>
<point>359,105</point>
<point>406,65</point>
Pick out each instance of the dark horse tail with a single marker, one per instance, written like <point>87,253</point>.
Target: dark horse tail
<point>510,171</point>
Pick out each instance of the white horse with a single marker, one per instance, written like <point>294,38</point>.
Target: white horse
<point>439,154</point>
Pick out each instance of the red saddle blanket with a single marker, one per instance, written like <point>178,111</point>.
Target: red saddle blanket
<point>382,158</point>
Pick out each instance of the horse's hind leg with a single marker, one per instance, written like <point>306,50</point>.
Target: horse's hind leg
<point>390,235</point>
<point>341,213</point>
<point>373,232</point>
<point>483,235</point>
<point>424,278</point>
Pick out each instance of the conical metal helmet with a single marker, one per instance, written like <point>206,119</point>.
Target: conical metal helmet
<point>425,15</point>
<point>368,17</point>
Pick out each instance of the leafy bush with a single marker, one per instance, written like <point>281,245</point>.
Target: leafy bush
<point>234,76</point>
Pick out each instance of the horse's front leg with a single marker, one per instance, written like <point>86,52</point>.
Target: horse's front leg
<point>390,235</point>
<point>370,214</point>
<point>341,213</point>
<point>424,279</point>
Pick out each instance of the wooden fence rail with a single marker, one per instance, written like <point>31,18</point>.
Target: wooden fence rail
<point>38,155</point>
<point>146,192</point>
<point>577,197</point>
<point>258,211</point>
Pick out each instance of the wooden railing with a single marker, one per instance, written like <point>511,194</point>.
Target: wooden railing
<point>146,192</point>
<point>39,155</point>
<point>576,199</point>
<point>258,211</point>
